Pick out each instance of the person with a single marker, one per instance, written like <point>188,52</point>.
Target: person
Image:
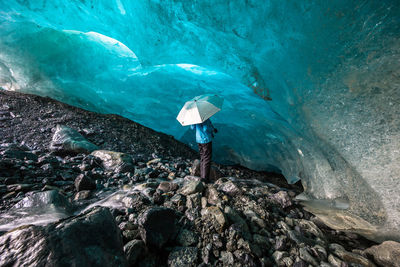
<point>204,135</point>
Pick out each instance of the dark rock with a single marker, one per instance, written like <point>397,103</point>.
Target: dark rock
<point>90,239</point>
<point>183,257</point>
<point>385,254</point>
<point>157,226</point>
<point>82,182</point>
<point>68,141</point>
<point>133,249</point>
<point>115,161</point>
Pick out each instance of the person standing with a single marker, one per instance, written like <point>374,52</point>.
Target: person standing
<point>204,135</point>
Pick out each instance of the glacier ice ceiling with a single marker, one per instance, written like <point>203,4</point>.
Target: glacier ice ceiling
<point>311,88</point>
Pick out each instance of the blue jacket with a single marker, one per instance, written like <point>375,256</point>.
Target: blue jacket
<point>204,132</point>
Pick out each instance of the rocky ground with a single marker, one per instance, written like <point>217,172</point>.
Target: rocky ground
<point>56,156</point>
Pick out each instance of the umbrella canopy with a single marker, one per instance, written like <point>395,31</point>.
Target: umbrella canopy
<point>199,109</point>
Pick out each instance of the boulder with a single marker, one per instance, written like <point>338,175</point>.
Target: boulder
<point>385,254</point>
<point>68,141</point>
<point>115,161</point>
<point>89,239</point>
<point>157,226</point>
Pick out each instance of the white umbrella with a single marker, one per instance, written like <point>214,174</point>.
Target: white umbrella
<point>199,109</point>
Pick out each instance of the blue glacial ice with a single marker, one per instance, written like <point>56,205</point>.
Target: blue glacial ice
<point>311,88</point>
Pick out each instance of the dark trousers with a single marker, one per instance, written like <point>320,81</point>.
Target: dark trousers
<point>205,160</point>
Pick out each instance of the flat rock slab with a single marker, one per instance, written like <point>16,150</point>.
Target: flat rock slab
<point>90,239</point>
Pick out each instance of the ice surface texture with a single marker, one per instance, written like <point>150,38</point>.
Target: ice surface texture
<point>330,68</point>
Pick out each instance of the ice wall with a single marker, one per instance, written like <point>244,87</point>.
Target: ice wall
<point>311,87</point>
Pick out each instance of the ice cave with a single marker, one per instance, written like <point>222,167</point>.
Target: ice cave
<point>311,88</point>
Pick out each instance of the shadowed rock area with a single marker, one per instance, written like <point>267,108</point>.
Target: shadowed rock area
<point>152,209</point>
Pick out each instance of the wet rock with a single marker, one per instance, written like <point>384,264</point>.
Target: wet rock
<point>346,256</point>
<point>385,254</point>
<point>82,182</point>
<point>183,257</point>
<point>157,226</point>
<point>191,188</point>
<point>90,239</point>
<point>282,198</point>
<point>68,141</point>
<point>46,198</point>
<point>133,249</point>
<point>115,161</point>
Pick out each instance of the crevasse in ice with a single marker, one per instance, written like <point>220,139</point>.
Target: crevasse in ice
<point>311,88</point>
